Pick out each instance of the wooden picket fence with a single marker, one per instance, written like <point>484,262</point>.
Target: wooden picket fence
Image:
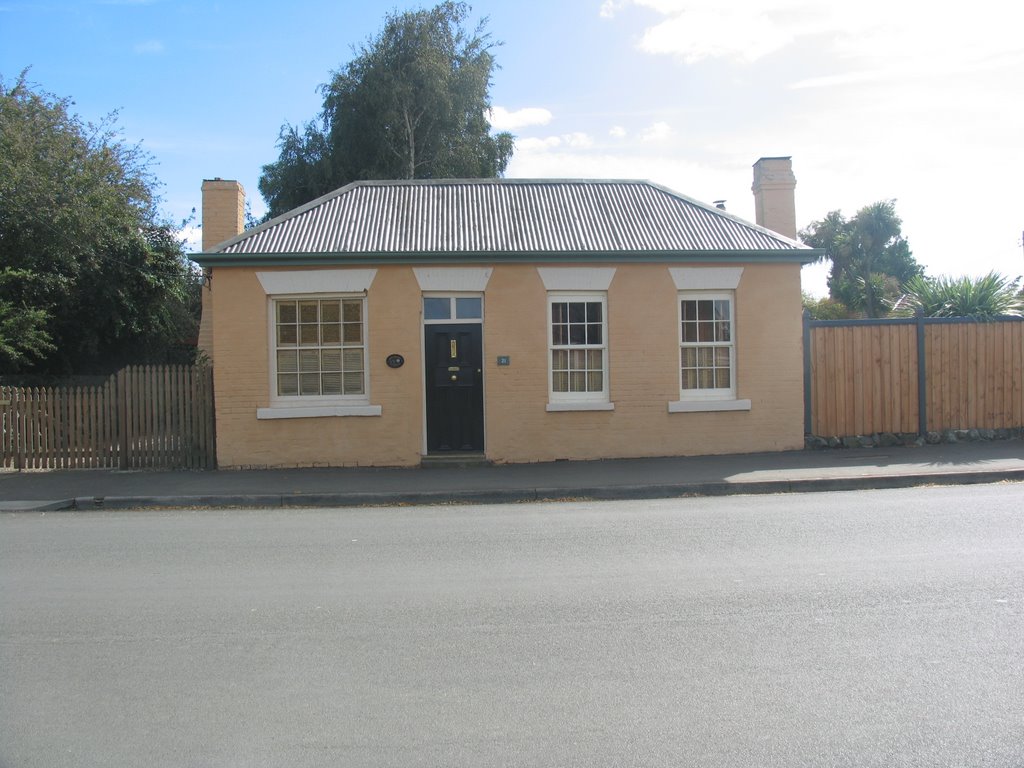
<point>912,375</point>
<point>142,417</point>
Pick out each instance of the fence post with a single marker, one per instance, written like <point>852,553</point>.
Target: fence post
<point>121,404</point>
<point>807,372</point>
<point>922,378</point>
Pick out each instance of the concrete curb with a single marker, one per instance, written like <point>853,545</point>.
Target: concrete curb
<point>518,495</point>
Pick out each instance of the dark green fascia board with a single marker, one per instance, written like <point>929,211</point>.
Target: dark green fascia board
<point>801,255</point>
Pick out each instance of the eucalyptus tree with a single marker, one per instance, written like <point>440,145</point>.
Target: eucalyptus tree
<point>412,103</point>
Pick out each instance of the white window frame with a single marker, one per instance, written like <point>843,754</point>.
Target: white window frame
<point>452,296</point>
<point>579,401</point>
<point>299,406</point>
<point>711,399</point>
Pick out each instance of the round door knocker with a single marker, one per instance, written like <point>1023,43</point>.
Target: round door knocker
<point>395,361</point>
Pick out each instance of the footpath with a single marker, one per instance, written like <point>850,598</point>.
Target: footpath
<point>786,472</point>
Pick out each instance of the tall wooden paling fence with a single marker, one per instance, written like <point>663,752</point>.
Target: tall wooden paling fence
<point>914,375</point>
<point>142,417</point>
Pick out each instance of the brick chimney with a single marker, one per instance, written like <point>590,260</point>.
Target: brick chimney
<point>223,218</point>
<point>774,199</point>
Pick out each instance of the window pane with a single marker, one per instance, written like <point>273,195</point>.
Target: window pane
<point>594,359</point>
<point>353,383</point>
<point>331,333</point>
<point>330,360</point>
<point>705,310</point>
<point>722,378</point>
<point>706,332</point>
<point>286,312</point>
<point>706,378</point>
<point>721,309</point>
<point>722,357</point>
<point>287,361</point>
<point>560,334</point>
<point>689,380</point>
<point>722,331</point>
<point>594,333</point>
<point>690,332</point>
<point>559,313</point>
<point>559,381</point>
<point>689,357</point>
<point>559,360</point>
<point>330,384</point>
<point>353,333</point>
<point>705,357</point>
<point>353,360</point>
<point>287,384</point>
<point>309,311</point>
<point>287,335</point>
<point>595,381</point>
<point>577,359</point>
<point>593,311</point>
<point>577,312</point>
<point>330,312</point>
<point>689,310</point>
<point>309,360</point>
<point>309,383</point>
<point>577,381</point>
<point>352,311</point>
<point>436,309</point>
<point>308,335</point>
<point>577,334</point>
<point>468,308</point>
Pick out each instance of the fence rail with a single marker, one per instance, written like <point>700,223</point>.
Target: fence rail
<point>921,375</point>
<point>141,417</point>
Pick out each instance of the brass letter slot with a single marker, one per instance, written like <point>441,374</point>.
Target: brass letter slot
<point>454,352</point>
<point>454,368</point>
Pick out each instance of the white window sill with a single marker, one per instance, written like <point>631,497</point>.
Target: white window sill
<point>316,411</point>
<point>581,406</point>
<point>698,406</point>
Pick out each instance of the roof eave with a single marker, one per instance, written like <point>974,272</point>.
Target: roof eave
<point>218,259</point>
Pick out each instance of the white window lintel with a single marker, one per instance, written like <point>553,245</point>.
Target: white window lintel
<point>316,281</point>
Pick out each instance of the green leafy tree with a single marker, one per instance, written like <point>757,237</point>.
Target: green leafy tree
<point>981,297</point>
<point>870,258</point>
<point>412,104</point>
<point>90,276</point>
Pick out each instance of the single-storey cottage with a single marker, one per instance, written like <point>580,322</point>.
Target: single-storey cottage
<point>388,323</point>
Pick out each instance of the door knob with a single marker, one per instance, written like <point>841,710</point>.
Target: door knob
<point>455,378</point>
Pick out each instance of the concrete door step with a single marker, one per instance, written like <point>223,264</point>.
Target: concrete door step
<point>456,460</point>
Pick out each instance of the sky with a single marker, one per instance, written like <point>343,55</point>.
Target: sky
<point>875,100</point>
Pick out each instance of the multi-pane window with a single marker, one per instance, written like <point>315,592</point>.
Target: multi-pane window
<point>579,365</point>
<point>319,347</point>
<point>707,348</point>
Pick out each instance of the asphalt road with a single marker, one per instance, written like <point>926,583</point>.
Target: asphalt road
<point>877,628</point>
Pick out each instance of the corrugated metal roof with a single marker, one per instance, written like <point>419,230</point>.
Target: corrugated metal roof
<point>504,216</point>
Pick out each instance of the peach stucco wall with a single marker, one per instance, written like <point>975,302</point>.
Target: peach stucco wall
<point>643,359</point>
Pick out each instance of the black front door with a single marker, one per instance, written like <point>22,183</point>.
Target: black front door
<point>455,397</point>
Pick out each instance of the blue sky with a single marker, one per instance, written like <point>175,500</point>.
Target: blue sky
<point>875,100</point>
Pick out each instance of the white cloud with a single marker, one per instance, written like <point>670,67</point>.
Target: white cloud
<point>505,120</point>
<point>611,7</point>
<point>657,132</point>
<point>537,145</point>
<point>149,47</point>
<point>571,141</point>
<point>617,132</point>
